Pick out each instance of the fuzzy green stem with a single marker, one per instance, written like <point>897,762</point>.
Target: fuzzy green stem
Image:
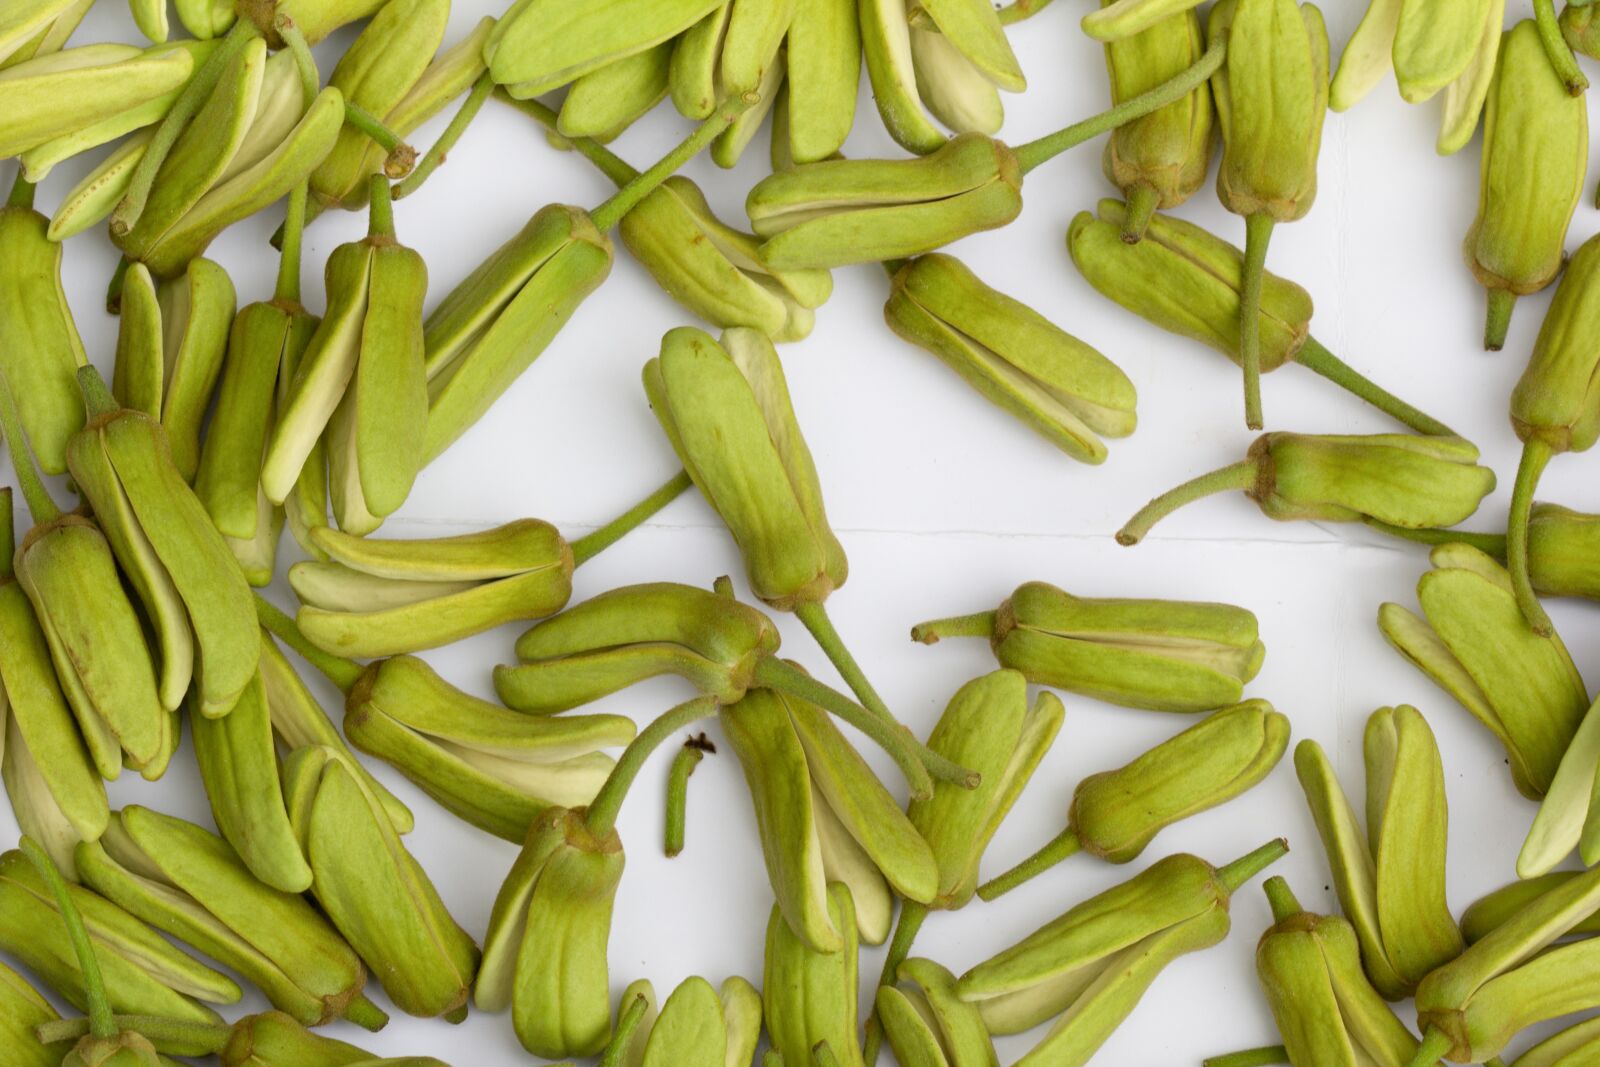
<point>1535,455</point>
<point>597,541</point>
<point>1250,1057</point>
<point>1257,235</point>
<point>1240,476</point>
<point>607,162</point>
<point>1556,47</point>
<point>916,761</point>
<point>21,193</point>
<point>401,155</point>
<point>1019,10</point>
<point>1248,866</point>
<point>1055,850</point>
<point>1435,1045</point>
<point>293,233</point>
<point>8,535</point>
<point>341,672</point>
<point>304,62</point>
<point>622,1037</point>
<point>1039,151</point>
<point>435,156</point>
<point>906,928</point>
<point>610,213</point>
<point>601,816</point>
<point>822,1055</point>
<point>1143,199</point>
<point>1487,543</point>
<point>1498,318</point>
<point>814,616</point>
<point>175,1037</point>
<point>380,208</point>
<point>683,765</point>
<point>184,108</point>
<point>364,1013</point>
<point>1281,899</point>
<point>101,1021</point>
<point>1317,359</point>
<point>29,480</point>
<point>97,398</point>
<point>933,631</point>
<point>114,286</point>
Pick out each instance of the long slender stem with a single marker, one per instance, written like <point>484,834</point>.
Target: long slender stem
<point>813,614</point>
<point>683,764</point>
<point>607,162</point>
<point>931,632</point>
<point>1018,10</point>
<point>1257,235</point>
<point>8,535</point>
<point>101,1021</point>
<point>1240,475</point>
<point>341,672</point>
<point>304,62</point>
<point>380,208</point>
<point>40,505</point>
<point>1035,152</point>
<point>1491,544</point>
<point>1497,319</point>
<point>906,928</point>
<point>622,1037</point>
<point>1055,850</point>
<point>176,1037</point>
<point>1556,47</point>
<point>1435,1045</point>
<point>1248,866</point>
<point>595,542</point>
<point>1250,1057</point>
<point>435,156</point>
<point>294,227</point>
<point>1535,455</point>
<point>1316,358</point>
<point>184,108</point>
<point>602,812</point>
<point>361,119</point>
<point>609,213</point>
<point>1282,900</point>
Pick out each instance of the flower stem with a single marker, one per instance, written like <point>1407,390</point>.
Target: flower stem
<point>447,140</point>
<point>1247,867</point>
<point>595,542</point>
<point>380,208</point>
<point>1282,899</point>
<point>1250,1057</point>
<point>1535,455</point>
<point>40,505</point>
<point>683,764</point>
<point>814,616</point>
<point>341,672</point>
<point>1055,850</point>
<point>1317,359</point>
<point>21,192</point>
<point>606,161</point>
<point>1142,203</point>
<point>101,1021</point>
<point>931,632</point>
<point>1498,319</point>
<point>1435,1045</point>
<point>1556,47</point>
<point>1488,543</point>
<point>175,1037</point>
<point>1240,475</point>
<point>1033,153</point>
<point>622,1037</point>
<point>609,213</point>
<point>602,812</point>
<point>360,118</point>
<point>906,928</point>
<point>304,62</point>
<point>97,398</point>
<point>1257,235</point>
<point>294,226</point>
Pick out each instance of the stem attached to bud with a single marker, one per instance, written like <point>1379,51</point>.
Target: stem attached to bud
<point>610,213</point>
<point>1281,899</point>
<point>1535,455</point>
<point>380,208</point>
<point>361,119</point>
<point>622,1037</point>
<point>1498,319</point>
<point>1317,359</point>
<point>304,62</point>
<point>1250,1057</point>
<point>174,1036</point>
<point>101,1021</point>
<point>1247,867</point>
<point>1435,1045</point>
<point>1487,543</point>
<point>40,504</point>
<point>933,631</point>
<point>294,226</point>
<point>1045,148</point>
<point>447,140</point>
<point>601,816</point>
<point>683,764</point>
<point>341,672</point>
<point>1055,850</point>
<point>21,192</point>
<point>1257,234</point>
<point>605,160</point>
<point>814,616</point>
<point>1143,199</point>
<point>1242,476</point>
<point>906,928</point>
<point>592,544</point>
<point>1556,47</point>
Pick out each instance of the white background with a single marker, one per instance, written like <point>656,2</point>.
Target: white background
<point>944,505</point>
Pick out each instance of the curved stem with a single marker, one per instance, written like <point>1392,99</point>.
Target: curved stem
<point>1498,318</point>
<point>814,616</point>
<point>906,928</point>
<point>595,542</point>
<point>1055,850</point>
<point>176,1037</point>
<point>1281,899</point>
<point>1257,235</point>
<point>606,161</point>
<point>361,119</point>
<point>1435,1045</point>
<point>341,672</point>
<point>1317,359</point>
<point>1143,199</point>
<point>40,504</point>
<point>1045,148</point>
<point>101,1021</point>
<point>931,632</point>
<point>1248,866</point>
<point>1556,47</point>
<point>184,108</point>
<point>293,232</point>
<point>1018,10</point>
<point>447,140</point>
<point>609,213</point>
<point>1488,543</point>
<point>622,1037</point>
<point>601,816</point>
<point>1535,455</point>
<point>683,764</point>
<point>304,63</point>
<point>380,208</point>
<point>1240,475</point>
<point>1250,1057</point>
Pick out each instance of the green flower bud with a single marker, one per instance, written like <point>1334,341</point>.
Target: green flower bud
<point>275,1039</point>
<point>917,67</point>
<point>823,70</point>
<point>1498,907</point>
<point>927,1024</point>
<point>1563,551</point>
<point>1390,879</point>
<point>811,996</point>
<point>540,45</point>
<point>191,884</point>
<point>1160,160</point>
<point>1328,1013</point>
<point>1475,645</point>
<point>606,101</point>
<point>62,94</point>
<point>1514,246</point>
<point>1057,385</point>
<point>1163,655</point>
<point>193,592</point>
<point>37,28</point>
<point>373,891</point>
<point>1402,480</point>
<point>1581,29</point>
<point>22,1009</point>
<point>698,1026</point>
<point>206,19</point>
<point>1091,966</point>
<point>1577,1043</point>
